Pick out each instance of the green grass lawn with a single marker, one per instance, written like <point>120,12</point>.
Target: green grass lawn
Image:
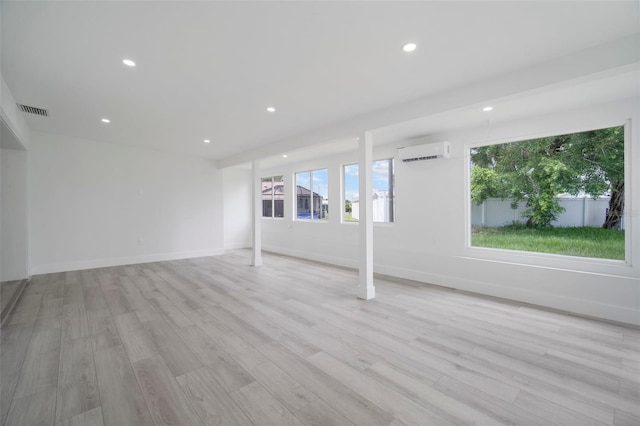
<point>585,242</point>
<point>349,218</point>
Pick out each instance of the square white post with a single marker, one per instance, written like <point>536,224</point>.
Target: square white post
<point>366,290</point>
<point>256,227</point>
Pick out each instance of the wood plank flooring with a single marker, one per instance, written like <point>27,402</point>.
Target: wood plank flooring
<point>213,341</point>
<point>10,292</point>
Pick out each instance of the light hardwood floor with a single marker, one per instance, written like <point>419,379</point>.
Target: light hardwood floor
<point>215,341</point>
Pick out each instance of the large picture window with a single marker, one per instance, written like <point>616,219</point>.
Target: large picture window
<point>273,196</point>
<point>561,194</point>
<point>312,192</point>
<point>383,205</point>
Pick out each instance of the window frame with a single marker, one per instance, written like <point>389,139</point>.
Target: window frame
<point>553,260</point>
<point>343,199</point>
<point>392,191</point>
<point>309,202</point>
<point>273,196</point>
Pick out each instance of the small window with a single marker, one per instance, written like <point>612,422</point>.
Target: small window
<point>383,209</point>
<point>351,193</point>
<point>312,192</point>
<point>273,196</point>
<point>561,194</point>
<point>383,205</point>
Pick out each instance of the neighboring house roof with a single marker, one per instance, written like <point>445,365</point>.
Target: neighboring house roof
<point>277,189</point>
<point>305,191</point>
<point>278,192</point>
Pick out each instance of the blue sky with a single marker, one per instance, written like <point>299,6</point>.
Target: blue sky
<point>351,190</point>
<point>320,181</point>
<point>380,178</point>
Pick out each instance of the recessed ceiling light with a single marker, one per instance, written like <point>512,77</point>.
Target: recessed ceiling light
<point>284,155</point>
<point>409,47</point>
<point>207,141</point>
<point>271,109</point>
<point>487,108</point>
<point>129,62</point>
<point>106,120</point>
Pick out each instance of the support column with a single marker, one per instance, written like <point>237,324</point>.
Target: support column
<point>366,290</point>
<point>256,227</point>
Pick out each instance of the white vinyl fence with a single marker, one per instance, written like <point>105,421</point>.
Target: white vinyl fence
<point>578,212</point>
<point>380,207</point>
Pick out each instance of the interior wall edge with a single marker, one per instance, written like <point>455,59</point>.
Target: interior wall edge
<point>12,117</point>
<point>237,246</point>
<point>333,260</point>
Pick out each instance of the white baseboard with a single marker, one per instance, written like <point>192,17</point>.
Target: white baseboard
<point>333,260</point>
<point>235,246</point>
<point>583,307</point>
<point>572,305</point>
<point>118,261</point>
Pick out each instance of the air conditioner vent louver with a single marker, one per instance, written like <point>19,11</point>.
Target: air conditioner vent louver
<point>429,151</point>
<point>33,110</point>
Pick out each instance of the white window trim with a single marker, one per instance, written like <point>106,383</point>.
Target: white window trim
<point>295,196</point>
<point>606,267</point>
<point>273,201</point>
<point>343,197</point>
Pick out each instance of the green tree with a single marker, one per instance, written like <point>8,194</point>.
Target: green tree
<point>347,206</point>
<point>536,171</point>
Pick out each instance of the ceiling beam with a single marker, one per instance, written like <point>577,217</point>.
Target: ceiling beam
<point>597,62</point>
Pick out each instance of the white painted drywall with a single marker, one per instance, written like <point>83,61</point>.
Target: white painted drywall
<point>94,204</point>
<point>13,220</point>
<point>237,217</point>
<point>428,242</point>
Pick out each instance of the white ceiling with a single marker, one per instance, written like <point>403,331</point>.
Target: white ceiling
<point>209,69</point>
<point>601,90</point>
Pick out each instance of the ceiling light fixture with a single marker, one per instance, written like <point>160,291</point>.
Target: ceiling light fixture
<point>487,108</point>
<point>271,109</point>
<point>207,141</point>
<point>409,47</point>
<point>129,62</point>
<point>106,120</point>
<point>284,155</point>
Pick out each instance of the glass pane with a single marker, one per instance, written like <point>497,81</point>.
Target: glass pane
<point>561,194</point>
<point>303,194</point>
<point>351,190</point>
<point>382,206</point>
<point>278,196</point>
<point>267,197</point>
<point>320,187</point>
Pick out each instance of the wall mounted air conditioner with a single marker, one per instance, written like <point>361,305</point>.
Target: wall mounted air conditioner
<point>428,151</point>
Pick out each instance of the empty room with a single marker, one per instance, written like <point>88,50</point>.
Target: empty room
<point>375,213</point>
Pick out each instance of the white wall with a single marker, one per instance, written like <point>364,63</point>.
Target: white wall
<point>237,217</point>
<point>13,220</point>
<point>94,204</point>
<point>428,242</point>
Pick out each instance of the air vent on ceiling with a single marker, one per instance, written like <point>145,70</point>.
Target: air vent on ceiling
<point>33,110</point>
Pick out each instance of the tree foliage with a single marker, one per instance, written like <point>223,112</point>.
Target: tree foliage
<point>536,171</point>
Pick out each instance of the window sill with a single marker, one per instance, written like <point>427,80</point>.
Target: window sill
<point>605,267</point>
